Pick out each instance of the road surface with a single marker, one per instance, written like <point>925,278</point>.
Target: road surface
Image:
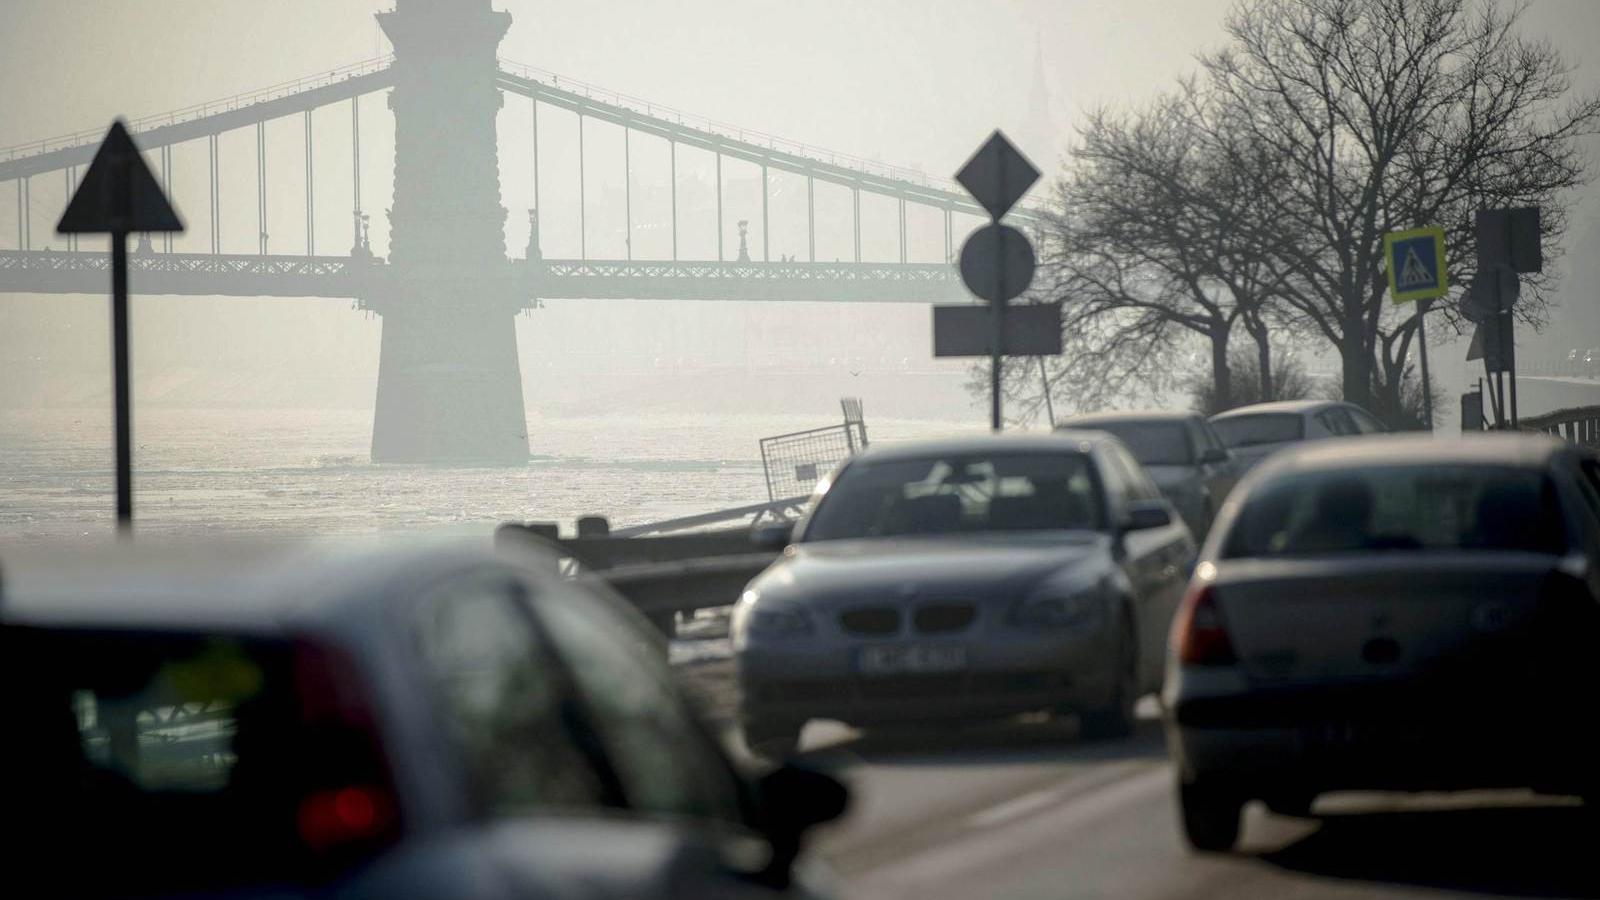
<point>1034,812</point>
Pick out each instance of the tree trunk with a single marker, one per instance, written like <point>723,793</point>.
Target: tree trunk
<point>1357,364</point>
<point>1263,359</point>
<point>1221,376</point>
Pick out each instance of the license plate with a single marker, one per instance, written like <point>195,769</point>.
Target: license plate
<point>908,659</point>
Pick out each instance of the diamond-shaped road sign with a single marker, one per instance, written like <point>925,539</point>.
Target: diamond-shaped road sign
<point>118,193</point>
<point>997,175</point>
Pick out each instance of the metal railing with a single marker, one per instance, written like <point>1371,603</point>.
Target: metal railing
<point>1580,424</point>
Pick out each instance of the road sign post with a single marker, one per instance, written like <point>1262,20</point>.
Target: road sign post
<point>1510,242</point>
<point>997,261</point>
<point>1415,260</point>
<point>118,196</point>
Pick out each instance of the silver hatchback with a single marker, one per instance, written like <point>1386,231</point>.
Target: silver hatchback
<point>1402,613</point>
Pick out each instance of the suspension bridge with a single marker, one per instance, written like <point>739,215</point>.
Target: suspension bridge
<point>447,291</point>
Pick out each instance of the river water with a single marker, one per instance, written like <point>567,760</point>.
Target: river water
<point>306,470</point>
<point>297,470</point>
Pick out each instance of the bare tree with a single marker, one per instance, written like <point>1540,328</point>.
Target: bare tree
<point>1149,243</point>
<point>1385,115</point>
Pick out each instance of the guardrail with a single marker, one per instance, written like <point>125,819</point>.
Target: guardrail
<point>1580,425</point>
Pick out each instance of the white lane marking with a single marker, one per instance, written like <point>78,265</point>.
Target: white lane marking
<point>1015,808</point>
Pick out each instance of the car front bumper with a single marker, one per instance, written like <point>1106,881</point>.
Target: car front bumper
<point>795,680</point>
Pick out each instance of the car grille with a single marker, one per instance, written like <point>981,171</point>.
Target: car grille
<point>873,620</point>
<point>938,618</point>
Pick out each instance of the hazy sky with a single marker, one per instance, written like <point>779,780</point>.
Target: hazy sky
<point>910,82</point>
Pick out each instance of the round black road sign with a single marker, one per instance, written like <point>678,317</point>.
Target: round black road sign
<point>997,262</point>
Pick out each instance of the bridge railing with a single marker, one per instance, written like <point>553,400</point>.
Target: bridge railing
<point>201,110</point>
<point>1580,424</point>
<point>746,135</point>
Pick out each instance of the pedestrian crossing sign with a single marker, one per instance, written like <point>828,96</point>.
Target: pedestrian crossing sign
<point>1415,260</point>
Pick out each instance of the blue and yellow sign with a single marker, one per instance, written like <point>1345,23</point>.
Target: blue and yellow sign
<point>1416,264</point>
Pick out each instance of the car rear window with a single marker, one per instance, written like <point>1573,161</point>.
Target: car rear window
<point>1399,508</point>
<point>136,747</point>
<point>1263,428</point>
<point>1153,443</point>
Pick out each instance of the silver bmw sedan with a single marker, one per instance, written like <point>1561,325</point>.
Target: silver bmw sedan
<point>965,579</point>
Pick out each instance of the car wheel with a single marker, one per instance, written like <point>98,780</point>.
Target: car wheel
<point>1210,816</point>
<point>1116,718</point>
<point>773,741</point>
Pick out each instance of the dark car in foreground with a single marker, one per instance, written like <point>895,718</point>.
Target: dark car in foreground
<point>1403,614</point>
<point>432,722</point>
<point>1255,432</point>
<point>961,580</point>
<point>1181,454</point>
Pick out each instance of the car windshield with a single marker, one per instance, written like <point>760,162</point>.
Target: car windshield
<point>1263,428</point>
<point>130,744</point>
<point>959,494</point>
<point>1399,508</point>
<point>1152,443</point>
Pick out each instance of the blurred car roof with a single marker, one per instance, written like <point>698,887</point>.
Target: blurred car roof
<point>1279,406</point>
<point>239,584</point>
<point>1527,450</point>
<point>1089,420</point>
<point>1043,441</point>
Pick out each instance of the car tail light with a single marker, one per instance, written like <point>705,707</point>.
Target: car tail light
<point>1199,632</point>
<point>345,817</point>
<point>349,803</point>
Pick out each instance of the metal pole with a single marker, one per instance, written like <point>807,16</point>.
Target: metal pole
<point>261,188</point>
<point>22,243</point>
<point>583,228</point>
<point>1508,336</point>
<point>627,190</point>
<point>1422,343</point>
<point>311,217</point>
<point>119,353</point>
<point>855,194</point>
<point>673,152</point>
<point>211,163</point>
<point>355,167</point>
<point>26,206</point>
<point>811,219</point>
<point>536,153</point>
<point>719,207</point>
<point>1044,385</point>
<point>765,255</point>
<point>166,186</point>
<point>902,230</point>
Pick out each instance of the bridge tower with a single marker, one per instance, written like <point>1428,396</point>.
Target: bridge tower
<point>449,383</point>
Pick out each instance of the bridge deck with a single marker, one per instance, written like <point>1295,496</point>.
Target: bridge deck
<point>251,275</point>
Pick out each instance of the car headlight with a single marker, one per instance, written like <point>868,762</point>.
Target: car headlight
<point>778,623</point>
<point>1084,611</point>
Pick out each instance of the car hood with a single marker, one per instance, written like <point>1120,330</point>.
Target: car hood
<point>827,573</point>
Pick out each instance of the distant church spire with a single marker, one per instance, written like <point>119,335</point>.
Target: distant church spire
<point>1039,137</point>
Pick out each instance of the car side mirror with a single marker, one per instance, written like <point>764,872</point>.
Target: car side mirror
<point>1146,514</point>
<point>1215,455</point>
<point>772,537</point>
<point>791,800</point>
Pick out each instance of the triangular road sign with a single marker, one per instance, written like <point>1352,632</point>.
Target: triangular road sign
<point>118,193</point>
<point>1414,273</point>
<point>997,175</point>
